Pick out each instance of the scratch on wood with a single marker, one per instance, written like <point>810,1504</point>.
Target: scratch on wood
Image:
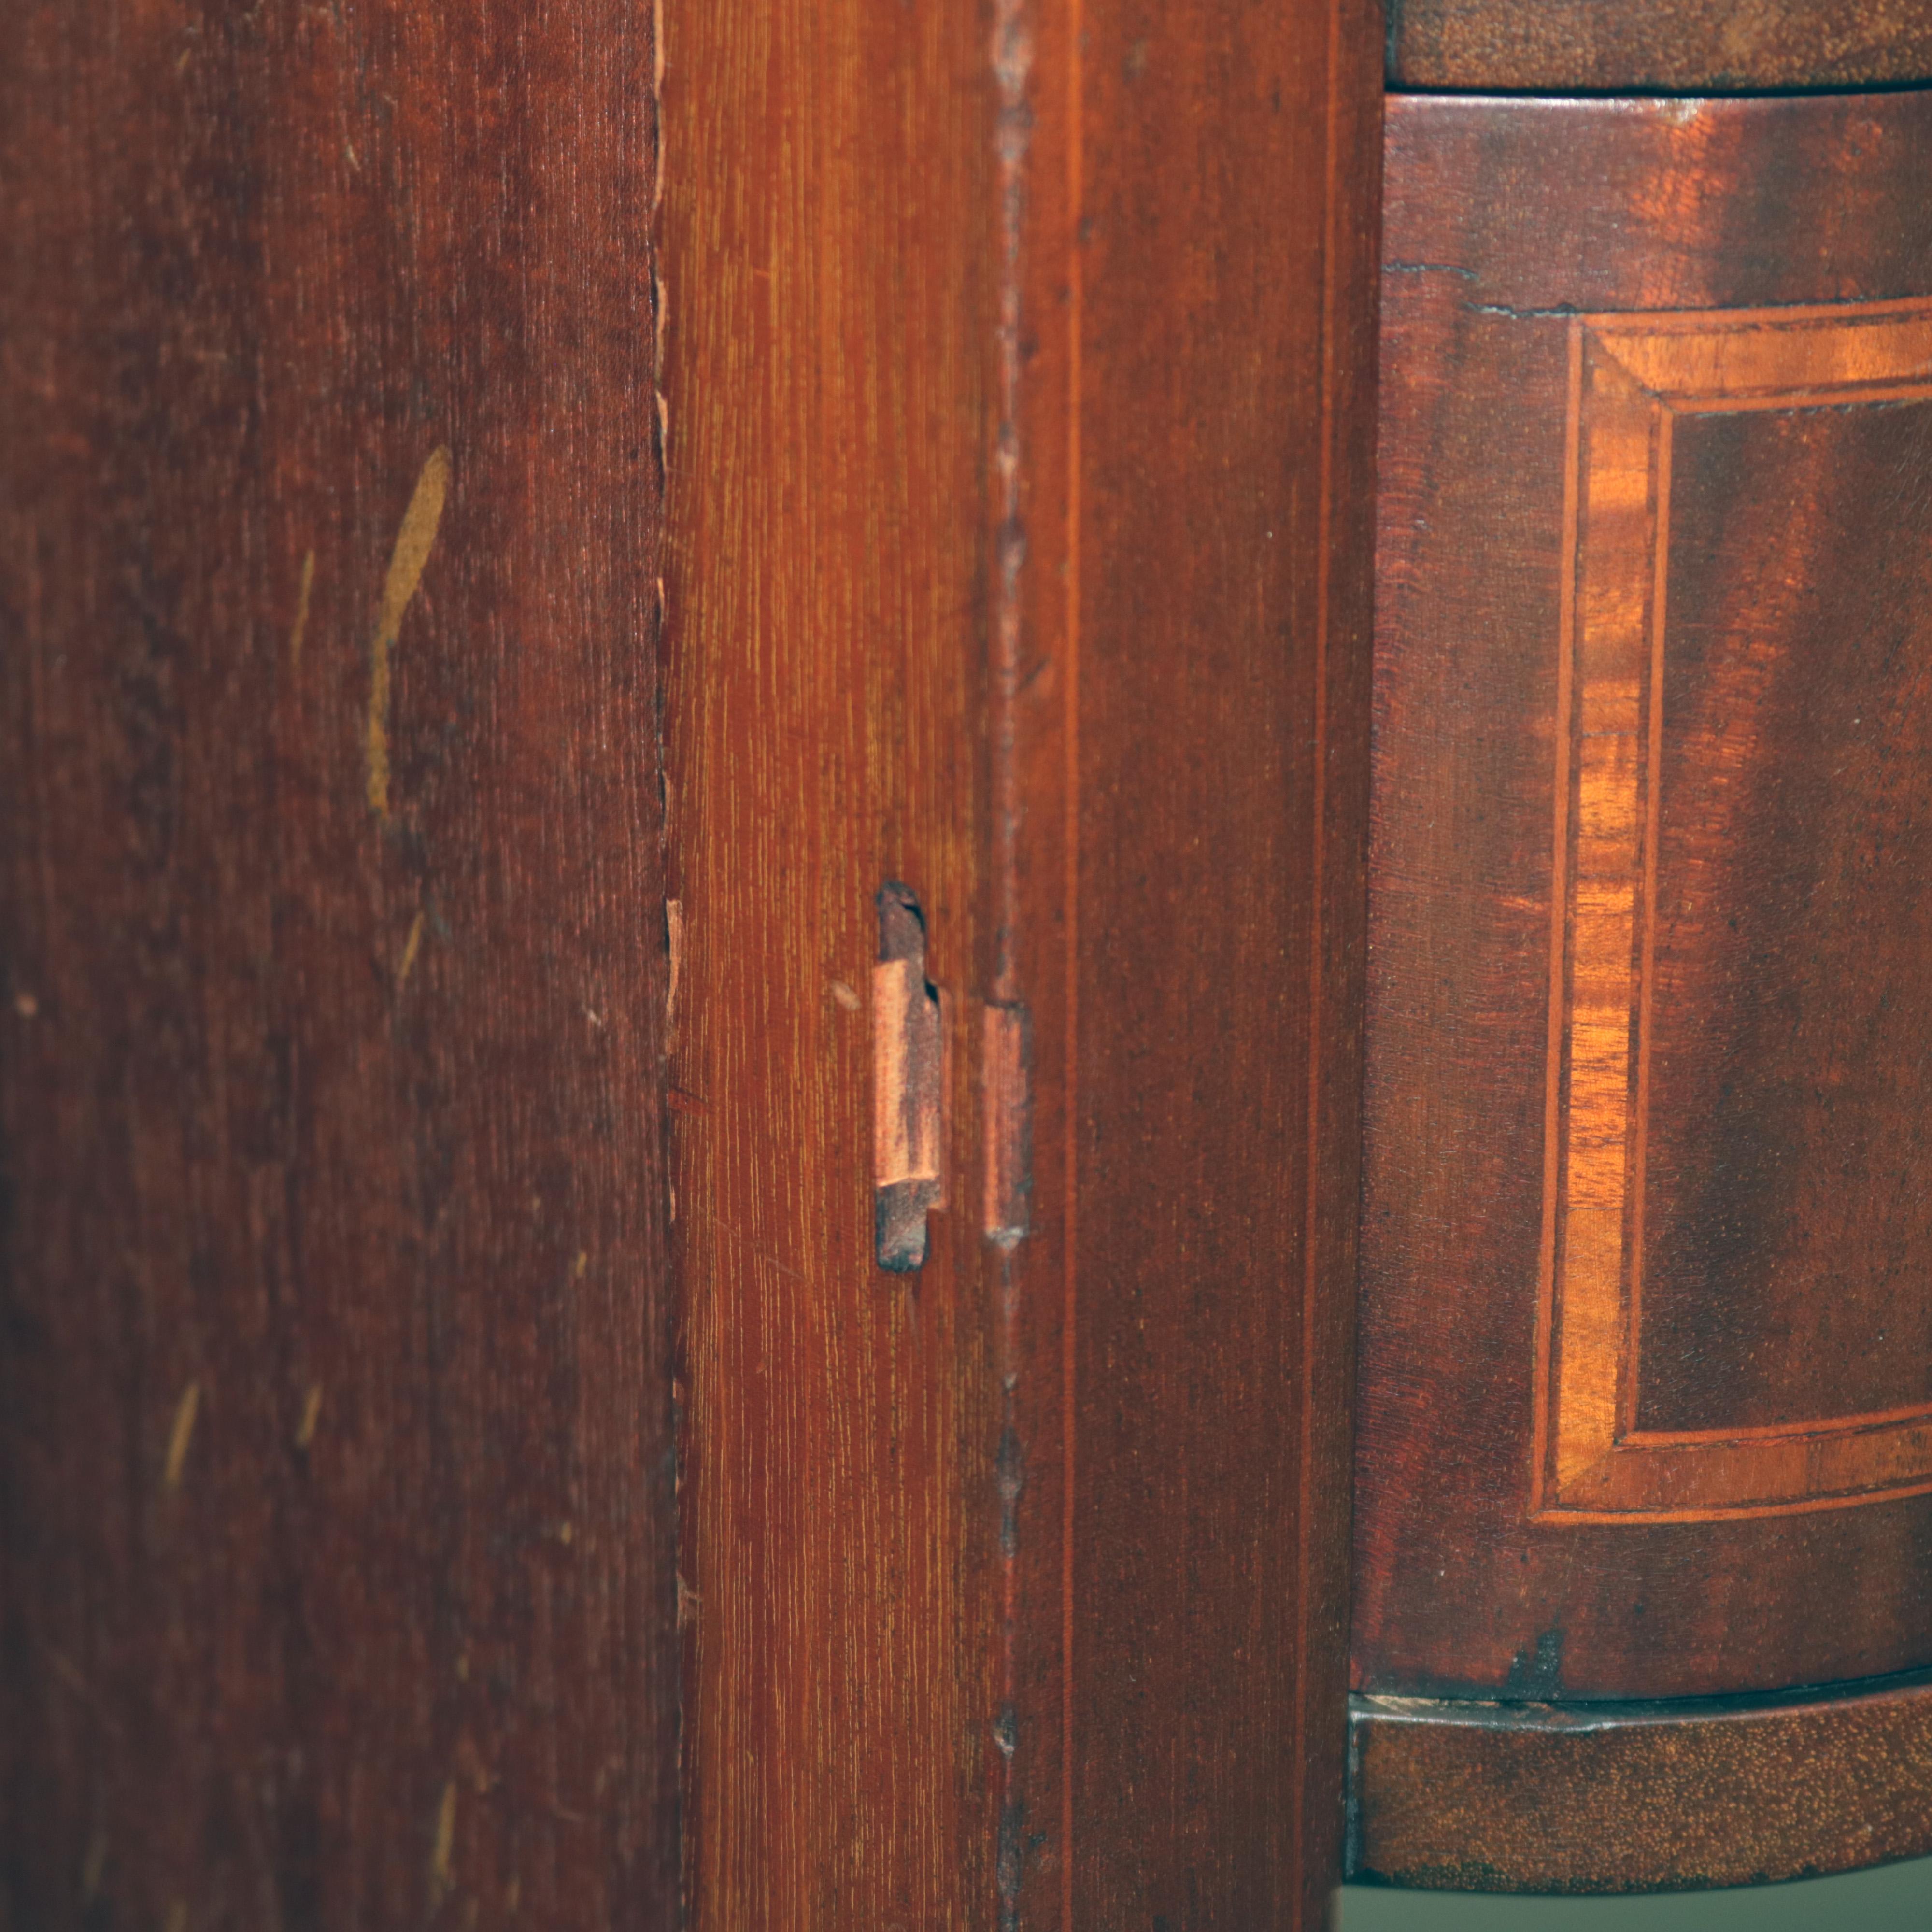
<point>92,1867</point>
<point>406,561</point>
<point>301,624</point>
<point>1008,1127</point>
<point>446,1842</point>
<point>181,1436</point>
<point>411,947</point>
<point>311,1414</point>
<point>760,1259</point>
<point>68,1673</point>
<point>845,996</point>
<point>674,932</point>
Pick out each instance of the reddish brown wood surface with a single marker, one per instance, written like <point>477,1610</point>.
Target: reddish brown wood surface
<point>1656,47</point>
<point>1019,389</point>
<point>1645,1411</point>
<point>334,1412</point>
<point>830,367</point>
<point>1190,710</point>
<point>1554,1798</point>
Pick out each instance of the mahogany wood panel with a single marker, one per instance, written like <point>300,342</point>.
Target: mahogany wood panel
<point>336,1563</point>
<point>830,363</point>
<point>1644,1405</point>
<point>1019,387</point>
<point>1545,1797</point>
<point>1660,46</point>
<point>1743,1016</point>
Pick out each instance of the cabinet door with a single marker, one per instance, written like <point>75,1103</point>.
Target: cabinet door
<point>1648,1261</point>
<point>1646,1396</point>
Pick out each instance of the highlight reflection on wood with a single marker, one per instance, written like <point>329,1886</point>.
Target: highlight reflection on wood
<point>1632,378</point>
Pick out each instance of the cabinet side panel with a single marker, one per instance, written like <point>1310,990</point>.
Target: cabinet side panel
<point>334,1393</point>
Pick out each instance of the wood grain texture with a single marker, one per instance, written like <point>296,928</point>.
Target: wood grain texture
<point>1671,1797</point>
<point>830,352</point>
<point>335,1400</point>
<point>1019,477</point>
<point>1733,1211</point>
<point>1642,1368</point>
<point>1656,47</point>
<point>1190,717</point>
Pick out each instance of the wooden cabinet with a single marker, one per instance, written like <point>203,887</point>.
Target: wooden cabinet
<point>1646,1411</point>
<point>699,802</point>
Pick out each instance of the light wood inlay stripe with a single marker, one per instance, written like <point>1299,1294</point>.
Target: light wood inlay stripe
<point>1632,375</point>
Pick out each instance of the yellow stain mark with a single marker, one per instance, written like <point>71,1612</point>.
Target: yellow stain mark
<point>179,1439</point>
<point>406,560</point>
<point>445,1841</point>
<point>301,623</point>
<point>411,947</point>
<point>463,1668</point>
<point>674,932</point>
<point>178,1916</point>
<point>582,1262</point>
<point>513,1896</point>
<point>566,1535</point>
<point>92,1868</point>
<point>311,1414</point>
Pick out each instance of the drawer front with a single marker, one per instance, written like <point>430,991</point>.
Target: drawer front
<point>1647,1315</point>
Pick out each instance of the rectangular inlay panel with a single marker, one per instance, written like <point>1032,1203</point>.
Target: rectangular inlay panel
<point>1638,383</point>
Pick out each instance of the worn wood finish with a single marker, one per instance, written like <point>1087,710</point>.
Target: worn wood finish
<point>1544,1798</point>
<point>334,1401</point>
<point>1644,1318</point>
<point>830,365</point>
<point>1190,712</point>
<point>1019,391</point>
<point>1656,47</point>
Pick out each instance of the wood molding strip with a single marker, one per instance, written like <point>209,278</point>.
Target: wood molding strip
<point>1656,47</point>
<point>1660,1797</point>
